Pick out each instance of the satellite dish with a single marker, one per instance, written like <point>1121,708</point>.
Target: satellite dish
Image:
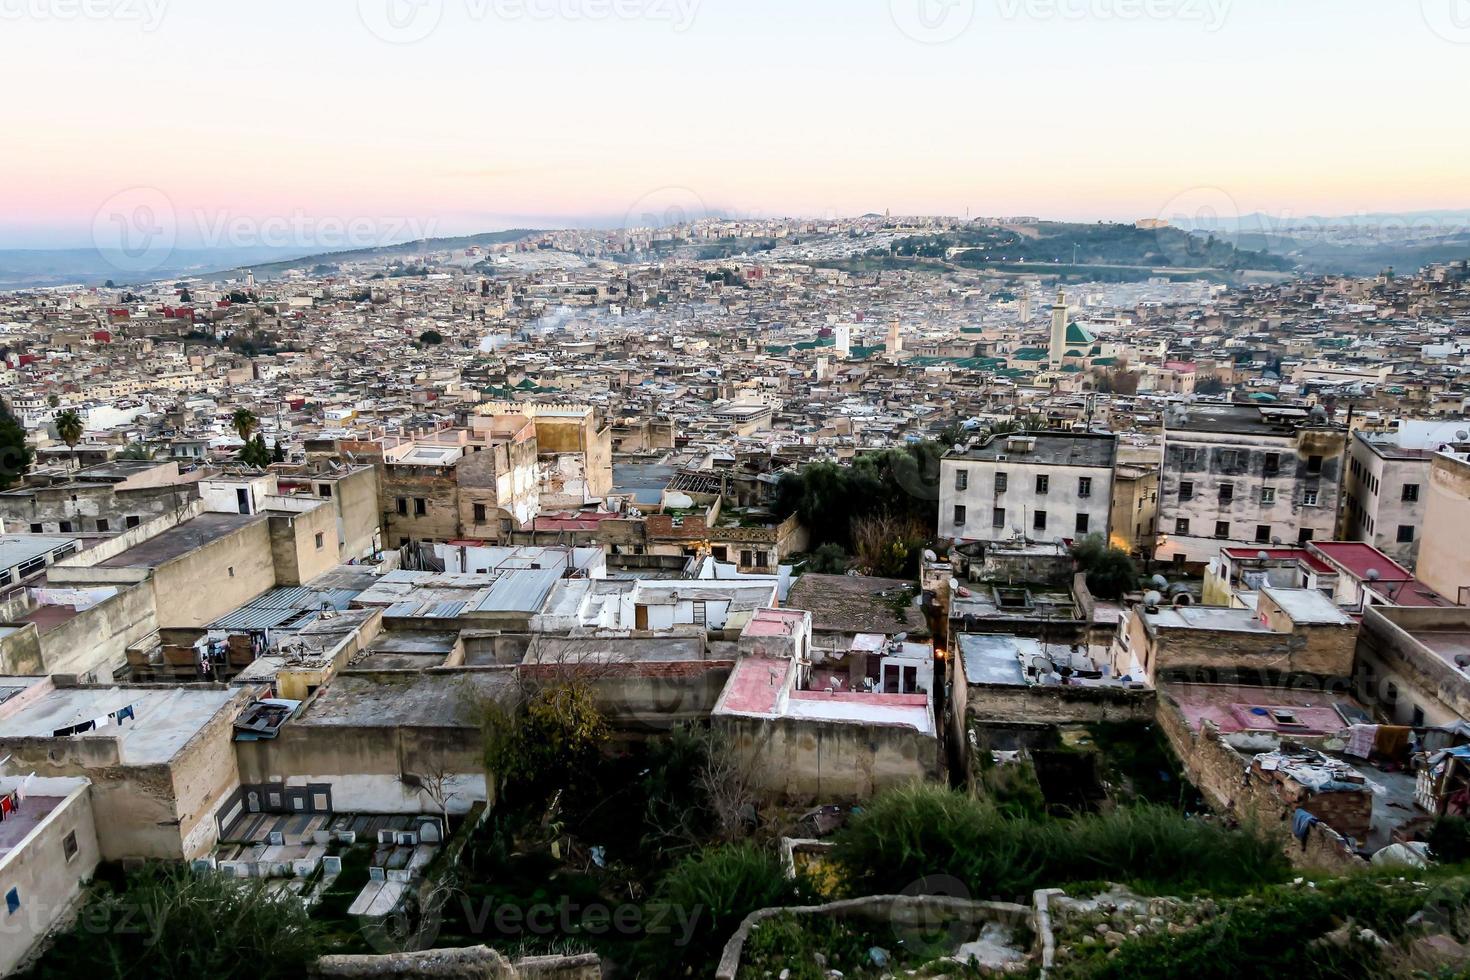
<point>954,585</point>
<point>1152,599</point>
<point>1040,664</point>
<point>1462,435</point>
<point>1262,555</point>
<point>930,555</point>
<point>900,637</point>
<point>1374,575</point>
<point>1159,582</point>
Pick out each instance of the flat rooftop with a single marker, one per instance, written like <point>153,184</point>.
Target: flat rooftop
<point>1049,448</point>
<point>437,700</point>
<point>856,603</point>
<point>18,826</point>
<point>1237,708</point>
<point>163,720</point>
<point>179,541</point>
<point>1243,420</point>
<point>17,549</point>
<point>996,658</point>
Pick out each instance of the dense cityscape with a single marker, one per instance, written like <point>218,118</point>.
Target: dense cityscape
<point>639,489</point>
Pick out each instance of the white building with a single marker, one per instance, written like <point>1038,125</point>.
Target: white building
<point>1385,488</point>
<point>1039,485</point>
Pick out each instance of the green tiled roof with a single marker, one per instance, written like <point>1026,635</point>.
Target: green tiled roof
<point>1076,335</point>
<point>1029,354</point>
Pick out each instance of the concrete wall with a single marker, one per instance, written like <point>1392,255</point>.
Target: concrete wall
<point>304,544</point>
<point>203,773</point>
<point>1444,561</point>
<point>1009,703</point>
<point>800,760</point>
<point>47,882</point>
<point>1397,674</point>
<point>93,643</point>
<point>197,588</point>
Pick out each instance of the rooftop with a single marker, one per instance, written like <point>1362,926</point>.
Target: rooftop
<point>181,540</point>
<point>163,720</point>
<point>1049,448</point>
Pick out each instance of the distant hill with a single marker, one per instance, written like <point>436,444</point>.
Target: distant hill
<point>1117,251</point>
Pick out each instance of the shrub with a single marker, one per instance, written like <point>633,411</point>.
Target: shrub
<point>910,834</point>
<point>174,923</point>
<point>714,890</point>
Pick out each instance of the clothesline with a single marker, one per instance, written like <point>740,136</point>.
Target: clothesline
<point>102,721</point>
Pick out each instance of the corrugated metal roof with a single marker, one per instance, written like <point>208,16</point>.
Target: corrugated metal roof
<point>256,618</point>
<point>301,597</point>
<point>520,590</point>
<point>446,610</point>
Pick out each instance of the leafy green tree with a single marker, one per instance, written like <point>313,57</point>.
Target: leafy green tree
<point>69,429</point>
<point>829,559</point>
<point>278,452</point>
<point>552,738</point>
<point>256,453</point>
<point>135,450</point>
<point>1110,572</point>
<point>431,337</point>
<point>53,400</point>
<point>15,455</point>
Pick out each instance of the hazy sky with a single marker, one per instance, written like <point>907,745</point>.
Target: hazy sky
<point>276,120</point>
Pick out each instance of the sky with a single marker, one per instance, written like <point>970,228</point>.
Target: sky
<point>338,122</point>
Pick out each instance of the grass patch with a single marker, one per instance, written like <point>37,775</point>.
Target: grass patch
<point>910,834</point>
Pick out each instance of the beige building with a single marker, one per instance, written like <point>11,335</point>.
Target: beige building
<point>1444,561</point>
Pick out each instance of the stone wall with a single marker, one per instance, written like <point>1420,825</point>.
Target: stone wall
<point>1221,774</point>
<point>1002,703</point>
<point>800,760</point>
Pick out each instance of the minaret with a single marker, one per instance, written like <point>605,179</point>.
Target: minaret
<point>1025,305</point>
<point>895,338</point>
<point>1058,329</point>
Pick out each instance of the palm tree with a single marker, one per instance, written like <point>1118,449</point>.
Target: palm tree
<point>69,430</point>
<point>245,422</point>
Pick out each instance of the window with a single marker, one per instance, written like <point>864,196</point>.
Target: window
<point>998,517</point>
<point>36,528</point>
<point>1272,464</point>
<point>1186,489</point>
<point>1303,537</point>
<point>959,515</point>
<point>1411,493</point>
<point>403,506</point>
<point>420,507</point>
<point>1229,459</point>
<point>231,570</point>
<point>1181,525</point>
<point>69,846</point>
<point>962,480</point>
<point>65,527</point>
<point>479,513</point>
<point>1001,482</point>
<point>1082,522</point>
<point>1268,496</point>
<point>102,524</point>
<point>1309,498</point>
<point>1406,533</point>
<point>321,541</point>
<point>1227,493</point>
<point>1038,521</point>
<point>1043,484</point>
<point>131,521</point>
<point>1314,464</point>
<point>1416,719</point>
<point>1084,486</point>
<point>1222,529</point>
<point>1263,534</point>
<point>324,490</point>
<point>12,901</point>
